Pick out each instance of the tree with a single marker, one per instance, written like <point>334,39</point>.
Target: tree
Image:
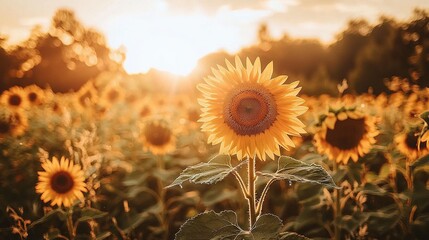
<point>65,57</point>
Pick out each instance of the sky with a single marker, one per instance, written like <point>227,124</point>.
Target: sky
<point>171,35</point>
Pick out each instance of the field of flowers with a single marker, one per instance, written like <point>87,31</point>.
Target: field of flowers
<point>117,160</point>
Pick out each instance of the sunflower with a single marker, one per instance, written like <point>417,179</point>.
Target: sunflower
<point>62,182</point>
<point>87,95</point>
<point>345,133</point>
<point>158,137</point>
<point>111,94</point>
<point>249,113</point>
<point>34,94</point>
<point>12,123</point>
<point>14,98</point>
<point>407,143</point>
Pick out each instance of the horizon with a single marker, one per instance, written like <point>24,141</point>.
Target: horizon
<point>178,35</point>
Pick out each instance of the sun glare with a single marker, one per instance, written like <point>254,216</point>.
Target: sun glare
<point>173,43</point>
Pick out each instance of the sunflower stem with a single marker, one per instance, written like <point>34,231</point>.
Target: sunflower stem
<point>260,203</point>
<point>162,193</point>
<point>241,183</point>
<point>337,212</point>
<point>69,220</point>
<point>410,177</point>
<point>251,190</point>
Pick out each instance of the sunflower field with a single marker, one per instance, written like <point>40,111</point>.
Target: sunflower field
<point>245,156</point>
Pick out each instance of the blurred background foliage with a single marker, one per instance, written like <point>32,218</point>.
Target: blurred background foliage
<point>70,54</point>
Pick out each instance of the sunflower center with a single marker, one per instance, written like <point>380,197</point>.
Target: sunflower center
<point>157,135</point>
<point>249,109</point>
<point>32,96</point>
<point>113,95</point>
<point>411,141</point>
<point>346,134</point>
<point>62,182</point>
<point>15,100</point>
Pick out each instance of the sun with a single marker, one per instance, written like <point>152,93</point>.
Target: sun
<point>168,42</point>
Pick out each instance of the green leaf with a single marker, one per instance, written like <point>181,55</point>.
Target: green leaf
<point>294,170</point>
<point>420,162</point>
<point>266,227</point>
<point>216,226</point>
<point>207,173</point>
<point>90,213</point>
<point>292,236</point>
<point>210,226</point>
<point>57,212</point>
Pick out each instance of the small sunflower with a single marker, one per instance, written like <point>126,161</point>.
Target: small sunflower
<point>35,95</point>
<point>158,137</point>
<point>249,113</point>
<point>87,95</point>
<point>344,134</point>
<point>111,94</point>
<point>12,123</point>
<point>14,98</point>
<point>61,182</point>
<point>406,143</point>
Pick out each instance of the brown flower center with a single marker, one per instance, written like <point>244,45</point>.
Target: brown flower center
<point>32,97</point>
<point>249,109</point>
<point>62,182</point>
<point>157,135</point>
<point>411,141</point>
<point>113,95</point>
<point>15,100</point>
<point>346,134</point>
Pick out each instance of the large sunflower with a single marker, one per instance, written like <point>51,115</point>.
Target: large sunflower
<point>406,143</point>
<point>61,182</point>
<point>249,113</point>
<point>344,134</point>
<point>158,137</point>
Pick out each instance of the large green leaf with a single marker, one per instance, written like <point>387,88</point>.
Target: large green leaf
<point>90,213</point>
<point>294,170</point>
<point>266,227</point>
<point>210,226</point>
<point>57,212</point>
<point>207,173</point>
<point>216,226</point>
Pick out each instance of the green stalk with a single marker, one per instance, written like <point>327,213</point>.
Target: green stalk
<point>162,193</point>
<point>251,191</point>
<point>70,224</point>
<point>337,215</point>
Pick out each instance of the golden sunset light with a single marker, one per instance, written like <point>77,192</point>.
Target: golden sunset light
<point>172,35</point>
<point>214,119</point>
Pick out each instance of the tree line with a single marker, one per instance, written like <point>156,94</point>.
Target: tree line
<point>364,54</point>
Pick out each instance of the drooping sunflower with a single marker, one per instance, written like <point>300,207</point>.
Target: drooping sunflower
<point>35,95</point>
<point>407,143</point>
<point>12,123</point>
<point>61,182</point>
<point>14,98</point>
<point>249,113</point>
<point>158,137</point>
<point>345,133</point>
